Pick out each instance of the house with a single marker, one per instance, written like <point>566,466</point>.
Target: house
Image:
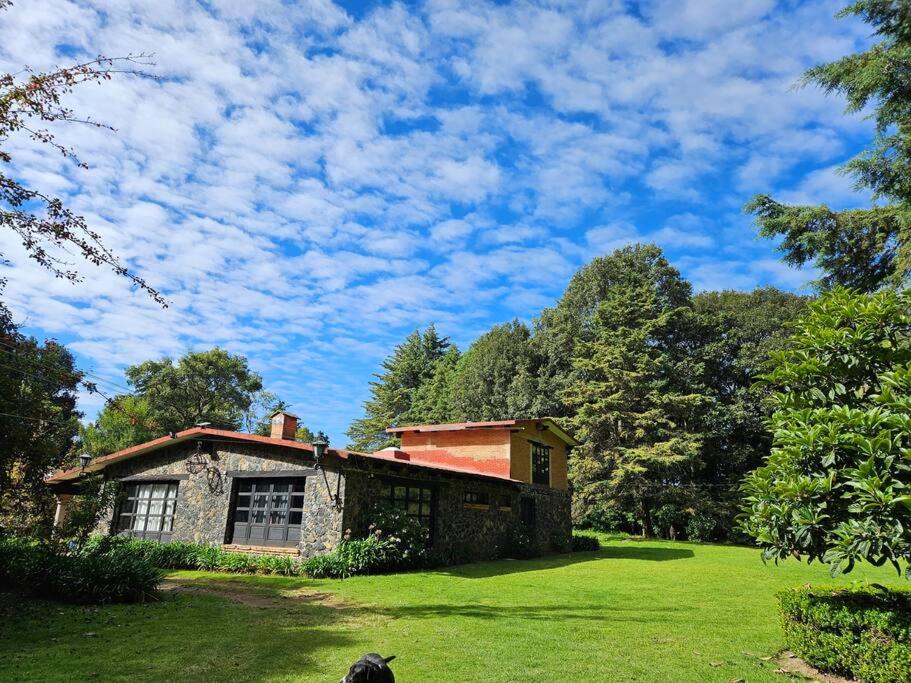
<point>468,483</point>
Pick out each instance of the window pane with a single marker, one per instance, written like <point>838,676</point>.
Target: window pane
<point>156,507</point>
<point>245,485</point>
<point>259,500</point>
<point>295,518</point>
<point>258,516</point>
<point>241,516</point>
<point>243,501</point>
<point>159,490</point>
<point>280,488</point>
<point>425,509</point>
<point>297,500</point>
<point>279,502</point>
<point>413,508</point>
<point>145,491</point>
<point>425,494</point>
<point>278,517</point>
<point>172,491</point>
<point>167,524</point>
<point>400,493</point>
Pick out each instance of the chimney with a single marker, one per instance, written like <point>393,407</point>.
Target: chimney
<point>284,425</point>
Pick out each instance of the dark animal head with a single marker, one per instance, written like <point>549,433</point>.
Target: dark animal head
<point>371,668</point>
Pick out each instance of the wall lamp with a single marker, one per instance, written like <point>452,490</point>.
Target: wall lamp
<point>320,447</point>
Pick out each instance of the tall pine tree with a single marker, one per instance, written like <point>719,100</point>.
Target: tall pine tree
<point>864,249</point>
<point>392,394</point>
<point>633,407</point>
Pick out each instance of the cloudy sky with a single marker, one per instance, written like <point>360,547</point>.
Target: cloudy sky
<point>307,182</point>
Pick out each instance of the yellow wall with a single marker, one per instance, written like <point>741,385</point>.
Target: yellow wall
<point>521,454</point>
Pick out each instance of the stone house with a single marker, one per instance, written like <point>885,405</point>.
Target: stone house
<point>468,483</point>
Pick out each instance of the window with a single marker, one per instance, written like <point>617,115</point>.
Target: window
<point>268,511</point>
<point>417,501</point>
<point>147,510</point>
<point>540,464</point>
<point>505,502</point>
<point>477,498</point>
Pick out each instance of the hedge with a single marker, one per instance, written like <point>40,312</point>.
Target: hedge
<point>94,575</point>
<point>585,543</point>
<point>862,633</point>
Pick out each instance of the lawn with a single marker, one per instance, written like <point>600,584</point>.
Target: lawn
<point>634,611</point>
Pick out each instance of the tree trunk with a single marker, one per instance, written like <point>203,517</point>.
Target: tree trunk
<point>648,531</point>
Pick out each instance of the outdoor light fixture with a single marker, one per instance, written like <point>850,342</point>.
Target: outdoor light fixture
<point>320,446</point>
<point>84,460</point>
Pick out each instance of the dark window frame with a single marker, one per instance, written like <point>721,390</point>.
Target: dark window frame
<point>242,511</point>
<point>479,499</point>
<point>425,499</point>
<point>540,463</point>
<point>134,505</point>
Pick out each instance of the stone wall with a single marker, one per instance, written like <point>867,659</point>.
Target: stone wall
<point>203,497</point>
<point>462,531</point>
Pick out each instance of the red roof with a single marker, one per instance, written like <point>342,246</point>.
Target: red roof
<point>495,424</point>
<point>398,456</point>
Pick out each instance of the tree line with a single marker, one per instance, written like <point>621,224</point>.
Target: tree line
<point>656,382</point>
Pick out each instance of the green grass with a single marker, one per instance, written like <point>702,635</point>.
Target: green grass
<point>634,611</point>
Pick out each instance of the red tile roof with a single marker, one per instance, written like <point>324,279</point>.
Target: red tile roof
<point>407,459</point>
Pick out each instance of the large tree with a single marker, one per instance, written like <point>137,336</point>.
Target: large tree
<point>392,393</point>
<point>864,249</point>
<point>38,421</point>
<point>125,421</point>
<point>634,407</point>
<point>208,386</point>
<point>496,378</point>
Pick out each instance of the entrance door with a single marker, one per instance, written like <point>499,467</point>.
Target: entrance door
<point>268,511</point>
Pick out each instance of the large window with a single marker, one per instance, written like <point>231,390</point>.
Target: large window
<point>268,511</point>
<point>147,510</point>
<point>417,501</point>
<point>540,464</point>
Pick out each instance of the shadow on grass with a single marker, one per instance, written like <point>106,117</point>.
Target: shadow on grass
<point>553,613</point>
<point>484,570</point>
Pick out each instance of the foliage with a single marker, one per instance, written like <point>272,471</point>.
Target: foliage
<point>603,517</point>
<point>433,400</point>
<point>38,423</point>
<point>207,386</point>
<point>494,379</point>
<point>584,543</point>
<point>863,633</point>
<point>634,410</point>
<point>670,520</point>
<point>868,248</point>
<point>837,485</point>
<point>184,555</point>
<point>412,363</point>
<point>49,231</point>
<point>96,574</point>
<point>703,526</point>
<point>125,421</point>
<point>96,497</point>
<point>517,541</point>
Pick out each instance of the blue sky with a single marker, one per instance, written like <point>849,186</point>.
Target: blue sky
<point>308,182</point>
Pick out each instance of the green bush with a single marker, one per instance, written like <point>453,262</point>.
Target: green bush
<point>864,633</point>
<point>95,574</point>
<point>583,543</point>
<point>605,519</point>
<point>702,526</point>
<point>328,566</point>
<point>667,517</point>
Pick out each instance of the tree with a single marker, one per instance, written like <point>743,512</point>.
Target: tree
<point>633,409</point>
<point>432,403</point>
<point>494,379</point>
<point>209,386</point>
<point>42,222</point>
<point>870,248</point>
<point>837,484</point>
<point>572,320</point>
<point>38,422</point>
<point>125,421</point>
<point>412,363</point>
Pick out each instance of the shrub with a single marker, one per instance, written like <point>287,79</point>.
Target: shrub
<point>606,519</point>
<point>669,520</point>
<point>96,574</point>
<point>583,543</point>
<point>517,543</point>
<point>328,566</point>
<point>702,526</point>
<point>863,633</point>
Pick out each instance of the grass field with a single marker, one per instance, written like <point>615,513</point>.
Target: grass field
<point>634,611</point>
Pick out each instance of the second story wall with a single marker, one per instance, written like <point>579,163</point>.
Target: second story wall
<point>486,450</point>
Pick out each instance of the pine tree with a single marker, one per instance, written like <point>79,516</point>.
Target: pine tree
<point>864,249</point>
<point>412,363</point>
<point>633,410</point>
<point>432,402</point>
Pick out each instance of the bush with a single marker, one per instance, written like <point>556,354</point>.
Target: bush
<point>863,633</point>
<point>583,543</point>
<point>328,566</point>
<point>605,519</point>
<point>517,544</point>
<point>669,517</point>
<point>95,574</point>
<point>702,527</point>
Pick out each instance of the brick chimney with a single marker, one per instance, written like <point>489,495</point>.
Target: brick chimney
<point>284,425</point>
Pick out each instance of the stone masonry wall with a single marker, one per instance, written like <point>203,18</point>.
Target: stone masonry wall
<point>464,532</point>
<point>203,498</point>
